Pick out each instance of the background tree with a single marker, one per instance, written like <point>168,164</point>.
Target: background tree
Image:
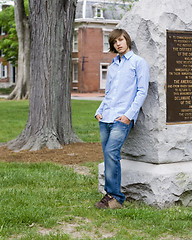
<point>49,122</point>
<point>21,89</point>
<point>16,47</point>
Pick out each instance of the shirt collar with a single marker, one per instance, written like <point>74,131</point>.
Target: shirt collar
<point>126,55</point>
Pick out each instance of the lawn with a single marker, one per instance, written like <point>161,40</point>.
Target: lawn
<point>42,201</point>
<point>49,201</point>
<point>13,117</point>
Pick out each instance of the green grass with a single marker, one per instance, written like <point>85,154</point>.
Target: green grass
<point>6,91</point>
<point>13,117</point>
<point>45,201</point>
<point>84,122</point>
<point>49,198</point>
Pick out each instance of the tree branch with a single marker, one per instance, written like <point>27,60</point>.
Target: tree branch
<point>20,17</point>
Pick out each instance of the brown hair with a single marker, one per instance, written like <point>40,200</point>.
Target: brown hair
<point>114,35</point>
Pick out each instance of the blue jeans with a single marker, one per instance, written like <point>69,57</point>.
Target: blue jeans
<point>113,136</point>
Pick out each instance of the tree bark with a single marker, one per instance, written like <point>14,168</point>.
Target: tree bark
<point>49,122</point>
<point>21,90</point>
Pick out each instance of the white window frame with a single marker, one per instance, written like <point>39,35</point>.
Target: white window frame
<point>3,71</point>
<point>103,81</point>
<point>98,10</point>
<point>11,73</point>
<point>75,70</point>
<point>99,13</point>
<point>105,42</point>
<point>75,41</point>
<point>1,53</point>
<point>2,32</point>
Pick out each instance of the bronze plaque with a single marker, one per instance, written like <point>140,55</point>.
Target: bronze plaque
<point>179,77</point>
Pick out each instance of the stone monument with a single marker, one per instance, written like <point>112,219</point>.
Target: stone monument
<point>157,155</point>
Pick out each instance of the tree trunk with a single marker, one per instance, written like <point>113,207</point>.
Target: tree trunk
<point>21,89</point>
<point>49,122</point>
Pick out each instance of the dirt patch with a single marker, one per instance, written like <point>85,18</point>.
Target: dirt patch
<point>71,154</point>
<point>80,169</point>
<point>80,228</point>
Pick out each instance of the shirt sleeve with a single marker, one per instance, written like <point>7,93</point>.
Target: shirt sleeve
<point>142,74</point>
<point>100,108</point>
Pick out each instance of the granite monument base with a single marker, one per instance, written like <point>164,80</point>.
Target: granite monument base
<point>159,185</point>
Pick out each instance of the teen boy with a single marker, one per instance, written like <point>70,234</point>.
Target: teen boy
<point>126,90</point>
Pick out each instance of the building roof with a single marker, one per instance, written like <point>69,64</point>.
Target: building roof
<point>111,9</point>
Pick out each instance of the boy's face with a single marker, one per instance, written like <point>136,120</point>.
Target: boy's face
<point>120,45</point>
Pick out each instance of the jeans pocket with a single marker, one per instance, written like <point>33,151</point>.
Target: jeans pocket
<point>125,124</point>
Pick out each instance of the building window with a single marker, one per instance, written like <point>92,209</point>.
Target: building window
<point>105,42</point>
<point>1,53</point>
<point>12,73</point>
<point>98,11</point>
<point>2,32</point>
<point>103,74</point>
<point>3,72</point>
<point>75,41</point>
<point>75,72</point>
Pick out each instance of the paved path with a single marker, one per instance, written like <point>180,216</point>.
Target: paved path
<point>3,96</point>
<point>88,96</point>
<point>80,96</point>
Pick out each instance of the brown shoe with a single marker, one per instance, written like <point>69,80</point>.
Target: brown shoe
<point>108,202</point>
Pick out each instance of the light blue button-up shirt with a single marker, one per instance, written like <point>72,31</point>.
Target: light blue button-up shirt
<point>126,88</point>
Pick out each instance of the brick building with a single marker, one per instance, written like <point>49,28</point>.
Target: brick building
<point>91,58</point>
<point>7,70</point>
